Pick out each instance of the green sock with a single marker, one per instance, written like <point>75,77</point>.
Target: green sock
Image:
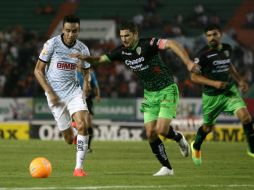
<point>249,132</point>
<point>200,137</point>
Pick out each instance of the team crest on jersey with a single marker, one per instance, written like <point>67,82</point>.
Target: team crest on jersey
<point>44,51</point>
<point>126,53</point>
<point>138,50</point>
<point>226,53</point>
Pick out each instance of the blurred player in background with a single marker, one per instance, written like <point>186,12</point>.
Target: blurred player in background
<point>91,91</point>
<point>56,71</point>
<point>220,94</point>
<point>160,91</point>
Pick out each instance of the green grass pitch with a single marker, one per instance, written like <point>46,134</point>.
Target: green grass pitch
<point>126,165</point>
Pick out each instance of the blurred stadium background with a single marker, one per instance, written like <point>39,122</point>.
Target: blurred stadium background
<point>26,25</point>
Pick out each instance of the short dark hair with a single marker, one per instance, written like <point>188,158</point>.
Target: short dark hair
<point>71,19</point>
<point>126,25</point>
<point>212,27</point>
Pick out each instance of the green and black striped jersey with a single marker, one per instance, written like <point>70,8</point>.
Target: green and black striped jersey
<point>215,65</point>
<point>145,61</point>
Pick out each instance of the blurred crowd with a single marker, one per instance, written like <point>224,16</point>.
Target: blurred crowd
<point>19,50</point>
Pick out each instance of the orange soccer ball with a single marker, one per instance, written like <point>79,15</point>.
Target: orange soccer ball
<point>40,167</point>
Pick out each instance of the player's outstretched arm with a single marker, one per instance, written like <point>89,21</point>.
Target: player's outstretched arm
<point>180,51</point>
<point>90,59</point>
<point>200,79</point>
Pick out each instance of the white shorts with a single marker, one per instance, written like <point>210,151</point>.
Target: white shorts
<point>63,111</point>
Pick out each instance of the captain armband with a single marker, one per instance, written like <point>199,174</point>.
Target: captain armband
<point>162,43</point>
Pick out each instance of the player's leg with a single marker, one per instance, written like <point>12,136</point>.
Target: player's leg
<point>90,131</point>
<point>212,106</point>
<point>151,108</point>
<point>158,149</point>
<point>202,132</point>
<point>63,120</point>
<point>164,129</point>
<point>246,120</point>
<point>89,122</point>
<point>168,98</point>
<point>78,109</point>
<point>236,105</point>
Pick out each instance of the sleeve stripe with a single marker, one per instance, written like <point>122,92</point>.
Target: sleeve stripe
<point>43,61</point>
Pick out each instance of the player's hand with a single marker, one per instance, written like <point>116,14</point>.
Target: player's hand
<point>54,99</point>
<point>194,68</point>
<point>98,99</point>
<point>220,84</point>
<point>243,86</point>
<point>78,55</point>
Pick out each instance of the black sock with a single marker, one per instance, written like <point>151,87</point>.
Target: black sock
<point>172,134</point>
<point>200,137</point>
<point>90,133</point>
<point>159,150</point>
<point>249,132</point>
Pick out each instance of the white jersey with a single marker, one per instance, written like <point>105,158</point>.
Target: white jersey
<point>60,71</point>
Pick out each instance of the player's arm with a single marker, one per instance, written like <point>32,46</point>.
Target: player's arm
<point>241,82</point>
<point>91,59</point>
<point>200,79</point>
<point>39,73</point>
<point>96,88</point>
<point>181,52</point>
<point>86,82</point>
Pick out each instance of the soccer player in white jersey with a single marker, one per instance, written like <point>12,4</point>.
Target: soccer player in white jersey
<point>55,71</point>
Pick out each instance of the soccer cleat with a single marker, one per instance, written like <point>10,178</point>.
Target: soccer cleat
<point>250,153</point>
<point>196,155</point>
<point>184,146</point>
<point>79,173</point>
<point>164,171</point>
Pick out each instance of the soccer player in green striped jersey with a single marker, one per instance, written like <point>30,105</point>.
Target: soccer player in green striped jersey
<point>220,93</point>
<point>160,91</point>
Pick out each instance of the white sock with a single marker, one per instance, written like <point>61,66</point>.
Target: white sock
<point>82,146</point>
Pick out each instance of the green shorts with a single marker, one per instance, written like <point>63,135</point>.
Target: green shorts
<point>228,102</point>
<point>160,104</point>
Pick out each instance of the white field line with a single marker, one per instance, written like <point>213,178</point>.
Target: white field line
<point>118,187</point>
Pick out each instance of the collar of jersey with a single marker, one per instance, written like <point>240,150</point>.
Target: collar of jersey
<point>217,48</point>
<point>67,44</point>
<point>135,45</point>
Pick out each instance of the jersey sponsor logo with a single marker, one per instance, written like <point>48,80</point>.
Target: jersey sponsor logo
<point>44,51</point>
<point>138,50</point>
<point>221,62</point>
<point>135,61</point>
<point>66,66</point>
<point>221,66</point>
<point>212,55</point>
<point>126,53</point>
